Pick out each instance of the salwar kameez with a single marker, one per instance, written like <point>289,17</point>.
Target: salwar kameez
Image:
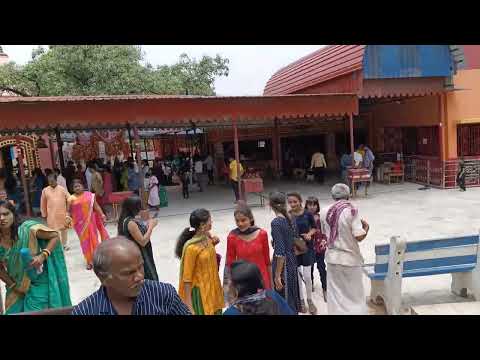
<point>199,267</point>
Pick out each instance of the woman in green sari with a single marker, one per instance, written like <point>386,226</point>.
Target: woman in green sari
<point>41,284</point>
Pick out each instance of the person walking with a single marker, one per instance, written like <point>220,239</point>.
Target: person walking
<point>133,178</point>
<point>250,243</point>
<point>318,166</point>
<point>70,175</point>
<point>234,176</point>
<point>306,227</point>
<point>200,286</point>
<point>39,182</point>
<point>53,206</point>
<point>43,282</point>
<point>209,165</point>
<point>344,230</point>
<point>319,244</point>
<point>284,263</point>
<point>198,168</point>
<point>461,175</point>
<point>88,220</point>
<point>153,191</point>
<point>139,232</point>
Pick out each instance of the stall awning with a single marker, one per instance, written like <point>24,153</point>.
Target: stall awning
<point>25,114</point>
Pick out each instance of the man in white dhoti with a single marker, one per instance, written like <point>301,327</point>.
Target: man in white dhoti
<point>344,230</point>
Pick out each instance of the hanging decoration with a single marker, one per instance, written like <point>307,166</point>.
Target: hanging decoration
<point>106,143</point>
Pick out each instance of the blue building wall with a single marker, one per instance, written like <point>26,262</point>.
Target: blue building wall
<point>406,61</point>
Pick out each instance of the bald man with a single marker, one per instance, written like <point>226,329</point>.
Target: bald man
<point>118,264</point>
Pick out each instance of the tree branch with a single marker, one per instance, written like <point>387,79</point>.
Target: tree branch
<point>15,91</point>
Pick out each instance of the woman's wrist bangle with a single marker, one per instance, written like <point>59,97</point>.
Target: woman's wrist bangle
<point>12,286</point>
<point>47,251</point>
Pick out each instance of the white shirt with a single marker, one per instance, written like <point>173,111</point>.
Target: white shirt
<point>209,162</point>
<point>357,158</point>
<point>61,181</point>
<point>318,161</point>
<point>198,167</point>
<point>345,250</point>
<point>88,177</point>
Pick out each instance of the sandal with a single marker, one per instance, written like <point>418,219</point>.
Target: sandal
<point>312,309</point>
<point>303,308</point>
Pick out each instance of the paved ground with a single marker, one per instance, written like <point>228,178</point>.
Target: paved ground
<point>397,209</point>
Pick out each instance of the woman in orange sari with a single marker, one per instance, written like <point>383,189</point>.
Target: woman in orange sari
<point>88,220</point>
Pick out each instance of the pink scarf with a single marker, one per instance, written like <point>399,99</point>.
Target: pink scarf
<point>333,215</point>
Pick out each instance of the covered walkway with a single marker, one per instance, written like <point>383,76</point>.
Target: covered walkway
<point>24,115</point>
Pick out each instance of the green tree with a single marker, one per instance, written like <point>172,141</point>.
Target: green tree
<point>108,70</point>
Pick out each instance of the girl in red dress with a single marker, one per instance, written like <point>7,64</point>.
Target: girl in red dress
<point>250,243</point>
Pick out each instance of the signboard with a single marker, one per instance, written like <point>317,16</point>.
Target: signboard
<point>101,150</point>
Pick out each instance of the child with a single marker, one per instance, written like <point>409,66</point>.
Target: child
<point>320,243</point>
<point>461,175</point>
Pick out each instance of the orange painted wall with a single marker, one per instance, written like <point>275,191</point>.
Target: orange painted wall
<point>465,104</point>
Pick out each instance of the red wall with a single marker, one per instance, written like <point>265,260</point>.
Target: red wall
<point>472,56</point>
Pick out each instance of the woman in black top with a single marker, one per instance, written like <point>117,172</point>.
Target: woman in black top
<point>139,232</point>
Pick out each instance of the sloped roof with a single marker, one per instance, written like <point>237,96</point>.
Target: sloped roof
<point>86,112</point>
<point>320,66</point>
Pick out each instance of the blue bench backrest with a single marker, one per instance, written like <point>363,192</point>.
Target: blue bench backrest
<point>433,256</point>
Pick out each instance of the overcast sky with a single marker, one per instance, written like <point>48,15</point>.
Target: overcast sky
<point>250,65</point>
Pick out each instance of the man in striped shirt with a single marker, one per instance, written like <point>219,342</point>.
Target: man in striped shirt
<point>118,264</point>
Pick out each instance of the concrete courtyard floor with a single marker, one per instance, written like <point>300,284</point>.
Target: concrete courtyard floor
<point>397,209</point>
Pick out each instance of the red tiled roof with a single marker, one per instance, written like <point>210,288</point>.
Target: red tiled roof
<point>25,99</point>
<point>320,66</point>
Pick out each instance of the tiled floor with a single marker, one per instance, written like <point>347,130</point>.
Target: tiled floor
<point>397,209</point>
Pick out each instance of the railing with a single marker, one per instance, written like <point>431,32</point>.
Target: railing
<point>440,174</point>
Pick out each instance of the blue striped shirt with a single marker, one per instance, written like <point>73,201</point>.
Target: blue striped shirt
<point>155,298</point>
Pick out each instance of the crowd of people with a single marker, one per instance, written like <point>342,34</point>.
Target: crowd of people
<point>254,281</point>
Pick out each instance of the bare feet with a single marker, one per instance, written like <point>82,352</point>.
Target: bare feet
<point>312,309</point>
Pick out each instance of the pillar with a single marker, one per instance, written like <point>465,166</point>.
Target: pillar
<point>276,151</point>
<point>219,158</point>
<point>352,144</point>
<point>26,191</point>
<point>60,150</point>
<point>52,152</point>
<point>237,156</point>
<point>139,164</point>
<point>331,156</point>
<point>130,139</point>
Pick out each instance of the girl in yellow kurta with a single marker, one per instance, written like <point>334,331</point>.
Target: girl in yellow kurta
<point>200,286</point>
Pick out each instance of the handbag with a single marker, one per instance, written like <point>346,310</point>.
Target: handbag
<point>299,244</point>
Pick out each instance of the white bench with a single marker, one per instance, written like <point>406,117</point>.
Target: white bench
<point>457,256</point>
